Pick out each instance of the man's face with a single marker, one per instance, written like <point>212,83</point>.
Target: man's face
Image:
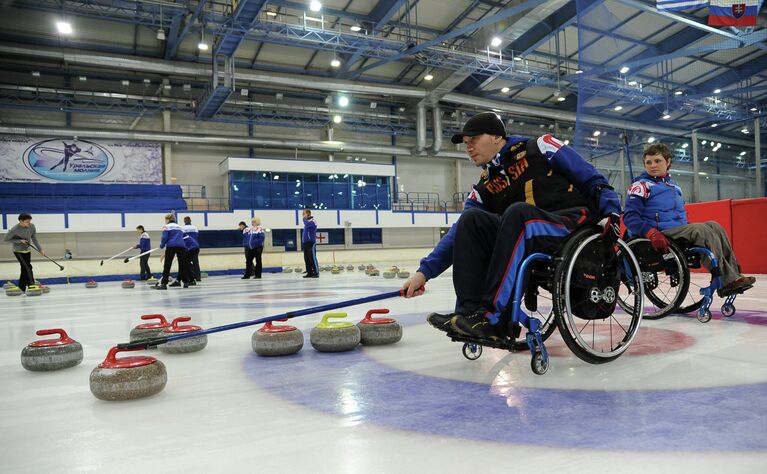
<point>306,214</point>
<point>139,231</point>
<point>25,223</point>
<point>656,165</point>
<point>242,227</point>
<point>481,148</point>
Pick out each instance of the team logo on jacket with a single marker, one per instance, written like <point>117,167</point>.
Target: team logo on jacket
<point>497,184</point>
<point>549,144</point>
<point>639,189</point>
<point>516,169</point>
<point>76,160</point>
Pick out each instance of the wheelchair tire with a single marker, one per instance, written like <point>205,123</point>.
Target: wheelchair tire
<point>662,304</point>
<point>593,352</point>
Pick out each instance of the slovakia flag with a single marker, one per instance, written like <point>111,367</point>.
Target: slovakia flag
<point>733,13</point>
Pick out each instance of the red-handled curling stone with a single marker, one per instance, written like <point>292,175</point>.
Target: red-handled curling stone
<point>127,378</point>
<point>182,346</point>
<point>273,340</point>
<point>127,284</point>
<point>52,354</point>
<point>91,284</point>
<point>149,330</point>
<point>379,331</point>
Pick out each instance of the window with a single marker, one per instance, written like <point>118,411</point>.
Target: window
<point>284,238</point>
<point>366,236</point>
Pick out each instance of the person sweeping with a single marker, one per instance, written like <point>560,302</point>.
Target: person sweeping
<point>21,235</point>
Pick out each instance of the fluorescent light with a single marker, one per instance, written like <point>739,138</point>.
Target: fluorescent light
<point>753,109</point>
<point>202,46</point>
<point>64,27</point>
<point>632,83</point>
<point>315,6</point>
<point>125,82</point>
<point>83,78</point>
<point>519,58</point>
<point>505,90</point>
<point>335,63</point>
<point>428,77</point>
<point>271,13</point>
<point>624,70</point>
<point>495,42</point>
<point>596,133</point>
<point>35,73</point>
<point>685,145</point>
<point>651,139</point>
<point>703,142</point>
<point>567,142</point>
<point>355,28</point>
<point>666,116</point>
<point>337,119</point>
<point>618,108</point>
<point>678,92</point>
<point>745,130</point>
<point>578,71</point>
<point>560,99</point>
<point>714,125</point>
<point>161,34</point>
<point>343,101</point>
<point>716,91</point>
<point>742,153</point>
<point>705,158</point>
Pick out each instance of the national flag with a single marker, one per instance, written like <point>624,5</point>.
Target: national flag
<point>733,12</point>
<point>674,5</point>
<point>322,238</point>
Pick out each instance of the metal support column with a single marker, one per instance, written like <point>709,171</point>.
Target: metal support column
<point>695,168</point>
<point>758,159</point>
<point>167,152</point>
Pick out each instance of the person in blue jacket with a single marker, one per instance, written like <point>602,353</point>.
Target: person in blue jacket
<point>531,194</point>
<point>173,242</point>
<point>309,245</point>
<point>255,248</point>
<point>144,245</point>
<point>655,210</point>
<point>246,247</point>
<point>191,239</point>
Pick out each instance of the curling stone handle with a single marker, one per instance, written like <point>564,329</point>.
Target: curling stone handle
<point>180,319</point>
<point>268,324</point>
<point>138,345</point>
<point>112,354</point>
<point>63,336</point>
<point>160,317</point>
<point>327,316</point>
<point>370,313</point>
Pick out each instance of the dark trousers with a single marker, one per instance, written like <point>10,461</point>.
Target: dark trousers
<point>488,249</point>
<point>144,273</point>
<point>183,270</point>
<point>250,269</point>
<point>26,277</point>
<point>193,257</point>
<point>310,257</point>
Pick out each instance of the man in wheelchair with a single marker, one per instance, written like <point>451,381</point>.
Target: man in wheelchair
<point>531,194</point>
<point>655,210</point>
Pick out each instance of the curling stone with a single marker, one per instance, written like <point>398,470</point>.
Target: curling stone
<point>335,271</point>
<point>34,290</point>
<point>379,331</point>
<point>287,270</point>
<point>374,272</point>
<point>361,267</point>
<point>13,291</point>
<point>8,284</point>
<point>182,346</point>
<point>91,284</point>
<point>152,281</point>
<point>403,274</point>
<point>203,275</point>
<point>52,354</point>
<point>127,284</point>
<point>337,336</point>
<point>127,378</point>
<point>389,274</point>
<point>350,268</point>
<point>298,270</point>
<point>277,340</point>
<point>46,289</point>
<point>149,330</point>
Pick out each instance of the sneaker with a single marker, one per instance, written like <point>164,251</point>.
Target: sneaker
<point>191,283</point>
<point>245,278</point>
<point>475,325</point>
<point>741,284</point>
<point>160,287</point>
<point>316,275</point>
<point>175,283</point>
<point>440,321</point>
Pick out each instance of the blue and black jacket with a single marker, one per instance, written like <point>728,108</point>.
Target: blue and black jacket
<point>172,236</point>
<point>144,243</point>
<point>256,237</point>
<point>309,234</point>
<point>545,173</point>
<point>191,237</point>
<point>653,203</point>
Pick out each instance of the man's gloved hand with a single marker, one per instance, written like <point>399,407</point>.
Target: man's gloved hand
<point>612,230</point>
<point>658,241</point>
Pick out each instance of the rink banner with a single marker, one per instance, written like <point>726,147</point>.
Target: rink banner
<point>59,160</point>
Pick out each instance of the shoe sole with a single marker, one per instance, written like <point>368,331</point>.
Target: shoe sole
<point>458,330</point>
<point>444,327</point>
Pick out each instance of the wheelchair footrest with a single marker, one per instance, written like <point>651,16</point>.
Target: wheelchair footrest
<point>507,344</point>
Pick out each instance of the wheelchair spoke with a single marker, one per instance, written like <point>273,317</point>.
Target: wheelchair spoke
<point>612,316</point>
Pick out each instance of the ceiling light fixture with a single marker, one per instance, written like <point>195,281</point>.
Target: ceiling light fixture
<point>337,119</point>
<point>271,13</point>
<point>650,139</point>
<point>618,108</point>
<point>678,92</point>
<point>343,101</point>
<point>355,28</point>
<point>624,70</point>
<point>428,77</point>
<point>495,42</point>
<point>597,133</point>
<point>335,62</point>
<point>560,99</point>
<point>315,6</point>
<point>64,27</point>
<point>505,90</point>
<point>717,91</point>
<point>685,145</point>
<point>666,116</point>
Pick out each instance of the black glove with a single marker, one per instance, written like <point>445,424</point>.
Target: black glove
<point>612,230</point>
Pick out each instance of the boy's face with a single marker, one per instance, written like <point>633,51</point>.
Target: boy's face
<point>25,223</point>
<point>307,214</point>
<point>482,148</point>
<point>656,165</point>
<point>139,231</point>
<point>242,227</point>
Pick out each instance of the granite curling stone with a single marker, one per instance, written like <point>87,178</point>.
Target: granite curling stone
<point>403,274</point>
<point>46,289</point>
<point>8,284</point>
<point>152,281</point>
<point>389,274</point>
<point>361,267</point>
<point>13,291</point>
<point>374,272</point>
<point>149,330</point>
<point>91,284</point>
<point>350,268</point>
<point>335,271</point>
<point>34,290</point>
<point>127,378</point>
<point>127,284</point>
<point>298,270</point>
<point>287,270</point>
<point>277,340</point>
<point>183,346</point>
<point>203,275</point>
<point>52,354</point>
<point>379,331</point>
<point>335,336</point>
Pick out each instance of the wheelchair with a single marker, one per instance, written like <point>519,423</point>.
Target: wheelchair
<point>584,281</point>
<point>668,285</point>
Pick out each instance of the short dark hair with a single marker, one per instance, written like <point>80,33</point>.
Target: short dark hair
<point>25,217</point>
<point>140,227</point>
<point>242,223</point>
<point>308,211</point>
<point>187,220</point>
<point>658,149</point>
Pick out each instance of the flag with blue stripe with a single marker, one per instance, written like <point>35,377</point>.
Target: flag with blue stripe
<point>733,12</point>
<point>674,5</point>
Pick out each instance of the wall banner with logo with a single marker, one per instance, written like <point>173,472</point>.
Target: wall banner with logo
<point>60,160</point>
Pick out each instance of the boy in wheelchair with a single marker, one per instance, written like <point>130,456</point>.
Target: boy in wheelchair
<point>530,196</point>
<point>655,210</point>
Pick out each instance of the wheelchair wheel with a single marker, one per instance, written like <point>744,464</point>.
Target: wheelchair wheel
<point>693,300</point>
<point>666,279</point>
<point>588,287</point>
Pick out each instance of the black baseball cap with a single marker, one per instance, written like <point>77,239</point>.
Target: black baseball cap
<point>486,122</point>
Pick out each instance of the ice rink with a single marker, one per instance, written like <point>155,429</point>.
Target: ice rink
<point>686,397</point>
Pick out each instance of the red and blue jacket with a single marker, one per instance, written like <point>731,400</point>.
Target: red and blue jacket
<point>172,236</point>
<point>144,243</point>
<point>191,237</point>
<point>545,173</point>
<point>653,203</point>
<point>255,237</point>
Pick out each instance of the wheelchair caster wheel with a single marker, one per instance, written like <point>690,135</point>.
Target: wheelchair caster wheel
<point>538,364</point>
<point>728,310</point>
<point>472,351</point>
<point>705,317</point>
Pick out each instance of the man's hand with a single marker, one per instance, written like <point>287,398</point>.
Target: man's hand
<point>42,252</point>
<point>658,241</point>
<point>24,241</point>
<point>414,286</point>
<point>612,230</point>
